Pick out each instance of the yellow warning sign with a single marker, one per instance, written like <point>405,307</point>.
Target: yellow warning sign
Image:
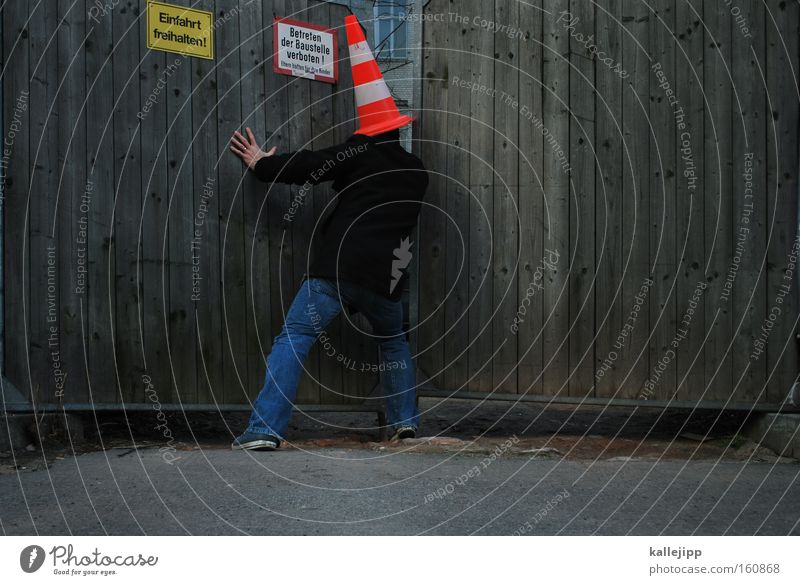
<point>178,29</point>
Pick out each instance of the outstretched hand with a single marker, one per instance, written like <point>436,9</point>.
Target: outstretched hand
<point>246,148</point>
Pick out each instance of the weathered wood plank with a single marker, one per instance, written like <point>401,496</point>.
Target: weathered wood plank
<point>747,267</point>
<point>127,204</point>
<point>692,289</point>
<point>531,201</point>
<point>609,232</point>
<point>720,226</point>
<point>100,176</point>
<point>458,200</point>
<point>155,70</point>
<point>505,217</point>
<point>481,177</point>
<point>71,230</point>
<point>204,236</point>
<point>231,209</point>
<point>16,176</point>
<point>663,248</point>
<point>45,325</point>
<point>582,204</point>
<point>557,193</point>
<point>782,72</point>
<point>254,58</point>
<point>181,322</point>
<point>432,221</point>
<point>633,361</point>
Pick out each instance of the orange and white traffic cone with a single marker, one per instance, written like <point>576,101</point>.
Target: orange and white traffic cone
<point>377,112</point>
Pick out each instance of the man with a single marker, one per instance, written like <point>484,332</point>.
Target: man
<point>364,250</point>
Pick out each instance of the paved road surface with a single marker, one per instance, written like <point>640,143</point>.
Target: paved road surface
<point>370,491</point>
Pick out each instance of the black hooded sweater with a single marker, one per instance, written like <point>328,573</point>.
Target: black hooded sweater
<point>367,237</point>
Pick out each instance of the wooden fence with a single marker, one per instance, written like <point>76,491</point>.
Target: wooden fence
<point>614,211</point>
<point>142,263</point>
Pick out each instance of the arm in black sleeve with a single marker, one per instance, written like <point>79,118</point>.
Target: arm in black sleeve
<point>313,166</point>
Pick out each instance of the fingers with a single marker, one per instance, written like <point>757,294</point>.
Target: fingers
<point>246,147</point>
<point>237,145</point>
<point>240,141</point>
<point>238,153</point>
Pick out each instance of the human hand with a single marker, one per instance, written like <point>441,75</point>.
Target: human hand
<point>247,148</point>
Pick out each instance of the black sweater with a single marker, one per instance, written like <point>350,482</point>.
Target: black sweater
<point>367,237</point>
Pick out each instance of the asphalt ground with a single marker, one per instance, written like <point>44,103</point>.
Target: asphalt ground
<point>491,468</point>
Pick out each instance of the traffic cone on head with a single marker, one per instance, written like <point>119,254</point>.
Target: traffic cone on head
<point>377,112</point>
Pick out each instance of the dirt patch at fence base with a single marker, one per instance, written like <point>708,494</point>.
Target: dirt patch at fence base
<point>451,427</point>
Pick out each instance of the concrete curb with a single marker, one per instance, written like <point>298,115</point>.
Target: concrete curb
<point>779,432</point>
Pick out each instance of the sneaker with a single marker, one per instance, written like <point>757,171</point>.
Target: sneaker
<point>256,441</point>
<point>404,432</point>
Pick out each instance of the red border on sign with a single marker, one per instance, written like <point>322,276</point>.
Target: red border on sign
<point>277,69</point>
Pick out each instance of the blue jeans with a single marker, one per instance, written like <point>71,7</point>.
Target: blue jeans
<point>316,304</point>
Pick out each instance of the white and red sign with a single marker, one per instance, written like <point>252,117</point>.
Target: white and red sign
<point>305,50</point>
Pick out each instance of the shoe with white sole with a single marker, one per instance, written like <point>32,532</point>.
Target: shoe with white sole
<point>404,432</point>
<point>256,442</point>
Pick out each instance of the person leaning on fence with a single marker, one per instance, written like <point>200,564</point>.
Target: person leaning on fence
<point>364,250</point>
